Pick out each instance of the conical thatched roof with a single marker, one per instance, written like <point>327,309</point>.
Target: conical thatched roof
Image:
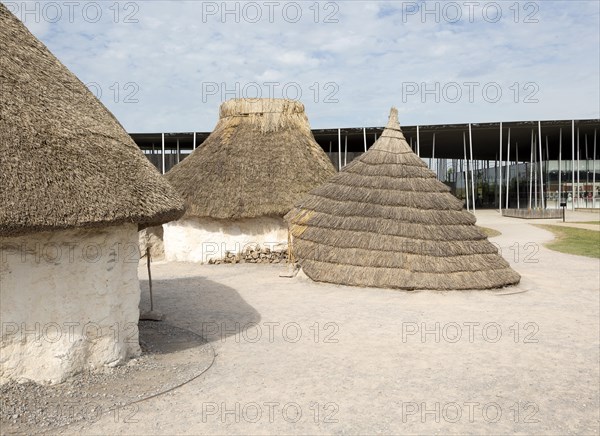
<point>260,159</point>
<point>386,221</point>
<point>65,161</point>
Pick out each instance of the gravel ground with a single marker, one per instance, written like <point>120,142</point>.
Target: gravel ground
<point>297,357</point>
<point>171,356</point>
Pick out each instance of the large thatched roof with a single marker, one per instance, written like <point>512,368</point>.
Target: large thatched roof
<point>65,161</point>
<point>386,221</point>
<point>260,159</point>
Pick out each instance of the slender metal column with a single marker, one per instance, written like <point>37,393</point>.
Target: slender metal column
<point>339,150</point>
<point>177,150</point>
<point>587,168</point>
<point>433,157</point>
<point>507,168</point>
<point>466,170</point>
<point>541,165</point>
<point>365,138</point>
<point>194,145</point>
<point>518,175</point>
<point>500,190</point>
<point>578,178</point>
<point>559,168</point>
<point>547,172</point>
<point>472,174</point>
<point>163,153</point>
<point>535,160</point>
<point>573,164</point>
<point>418,143</point>
<point>594,173</point>
<point>531,173</point>
<point>345,150</point>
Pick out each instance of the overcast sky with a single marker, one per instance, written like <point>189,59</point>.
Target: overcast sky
<point>167,65</point>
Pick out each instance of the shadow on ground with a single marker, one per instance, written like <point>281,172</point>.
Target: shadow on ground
<point>171,357</point>
<point>210,309</point>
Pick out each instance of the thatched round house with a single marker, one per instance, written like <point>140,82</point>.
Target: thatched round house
<point>259,160</point>
<point>73,190</point>
<point>386,221</point>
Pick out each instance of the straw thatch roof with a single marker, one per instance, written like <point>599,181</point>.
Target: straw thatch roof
<point>65,161</point>
<point>259,160</point>
<point>386,221</point>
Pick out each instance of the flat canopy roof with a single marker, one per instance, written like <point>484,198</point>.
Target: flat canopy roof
<point>448,139</point>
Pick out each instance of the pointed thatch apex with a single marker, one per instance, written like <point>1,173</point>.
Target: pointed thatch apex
<point>393,123</point>
<point>386,221</point>
<point>65,161</point>
<point>259,160</point>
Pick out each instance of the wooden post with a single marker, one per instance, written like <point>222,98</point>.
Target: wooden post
<point>149,278</point>
<point>290,250</point>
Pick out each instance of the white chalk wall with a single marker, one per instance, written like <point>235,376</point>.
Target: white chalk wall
<point>68,302</point>
<point>203,239</point>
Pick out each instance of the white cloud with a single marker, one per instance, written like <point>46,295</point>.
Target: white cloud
<point>174,56</point>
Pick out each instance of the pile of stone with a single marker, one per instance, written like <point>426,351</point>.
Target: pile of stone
<point>254,255</point>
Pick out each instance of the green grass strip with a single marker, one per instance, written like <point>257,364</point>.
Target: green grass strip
<point>571,240</point>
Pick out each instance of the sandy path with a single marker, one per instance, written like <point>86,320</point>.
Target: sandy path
<point>370,370</point>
